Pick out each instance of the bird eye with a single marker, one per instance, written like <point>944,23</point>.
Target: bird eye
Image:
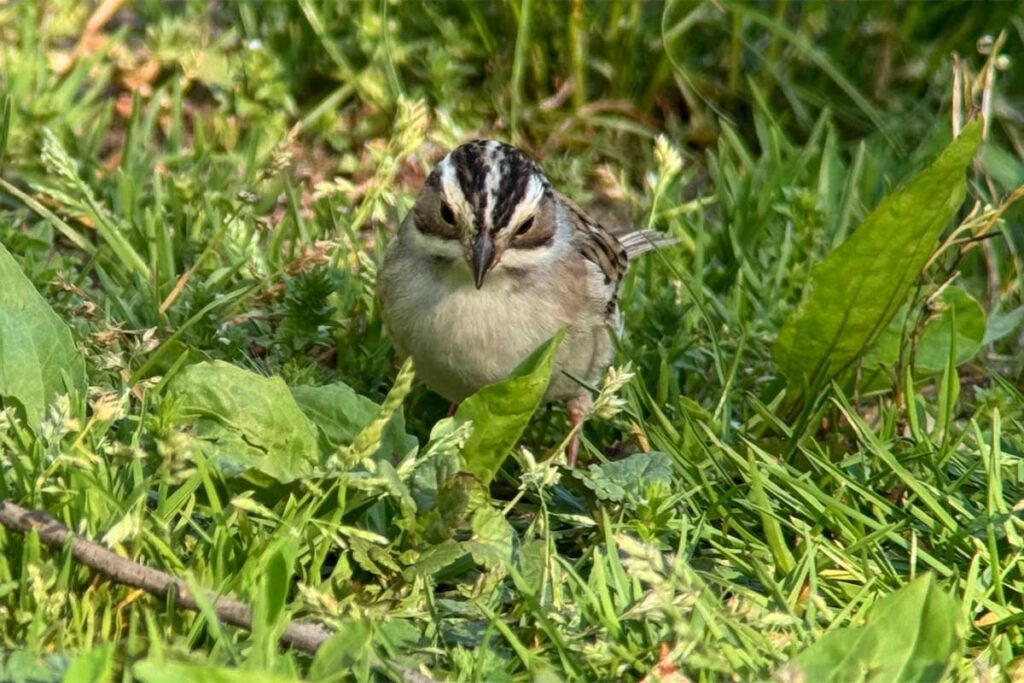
<point>525,226</point>
<point>446,214</point>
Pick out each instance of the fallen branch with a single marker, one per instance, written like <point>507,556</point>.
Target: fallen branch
<point>299,635</point>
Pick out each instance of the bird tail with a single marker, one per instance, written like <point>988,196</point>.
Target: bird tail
<point>638,242</point>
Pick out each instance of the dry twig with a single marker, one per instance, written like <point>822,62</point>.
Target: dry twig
<point>300,635</point>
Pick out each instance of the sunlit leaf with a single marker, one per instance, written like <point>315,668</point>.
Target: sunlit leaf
<point>246,421</point>
<point>491,544</point>
<point>627,478</point>
<point>348,650</point>
<point>339,413</point>
<point>38,356</point>
<point>909,636</point>
<point>854,293</point>
<point>933,346</point>
<point>1002,324</point>
<point>500,412</point>
<point>92,666</point>
<point>22,665</point>
<point>436,558</point>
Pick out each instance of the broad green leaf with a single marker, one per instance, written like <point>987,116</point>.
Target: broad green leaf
<point>348,651</point>
<point>23,666</point>
<point>442,464</point>
<point>910,636</point>
<point>501,411</point>
<point>545,673</point>
<point>933,348</point>
<point>246,421</point>
<point>854,293</point>
<point>390,481</point>
<point>339,413</point>
<point>626,479</point>
<point>456,498</point>
<point>533,562</point>
<point>91,667</point>
<point>372,557</point>
<point>401,638</point>
<point>1003,166</point>
<point>38,356</point>
<point>435,558</point>
<point>491,544</point>
<point>1001,324</point>
<point>962,321</point>
<point>153,671</point>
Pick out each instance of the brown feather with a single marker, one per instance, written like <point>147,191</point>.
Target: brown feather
<point>611,251</point>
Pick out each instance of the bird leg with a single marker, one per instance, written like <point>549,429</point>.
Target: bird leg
<point>578,408</point>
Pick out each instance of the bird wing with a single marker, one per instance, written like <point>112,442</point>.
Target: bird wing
<point>611,251</point>
<point>637,242</point>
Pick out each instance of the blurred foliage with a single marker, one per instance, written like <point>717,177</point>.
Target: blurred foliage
<point>192,181</point>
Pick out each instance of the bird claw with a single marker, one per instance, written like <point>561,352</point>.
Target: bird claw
<point>577,412</point>
<point>572,451</point>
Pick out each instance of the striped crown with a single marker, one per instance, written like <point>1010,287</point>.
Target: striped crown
<point>488,180</point>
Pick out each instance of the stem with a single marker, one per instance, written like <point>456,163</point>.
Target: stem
<point>519,65</point>
<point>301,635</point>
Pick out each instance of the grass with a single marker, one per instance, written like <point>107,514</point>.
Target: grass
<point>187,183</point>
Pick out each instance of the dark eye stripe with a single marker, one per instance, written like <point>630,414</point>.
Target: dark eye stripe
<point>436,228</point>
<point>533,241</point>
<point>426,219</point>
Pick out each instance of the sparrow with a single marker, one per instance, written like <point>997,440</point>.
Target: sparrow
<point>490,263</point>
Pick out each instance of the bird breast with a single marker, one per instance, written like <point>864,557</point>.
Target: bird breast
<point>462,338</point>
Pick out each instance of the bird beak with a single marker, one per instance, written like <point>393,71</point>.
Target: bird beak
<point>482,256</point>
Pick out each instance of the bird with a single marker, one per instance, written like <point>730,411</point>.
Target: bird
<point>491,262</point>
